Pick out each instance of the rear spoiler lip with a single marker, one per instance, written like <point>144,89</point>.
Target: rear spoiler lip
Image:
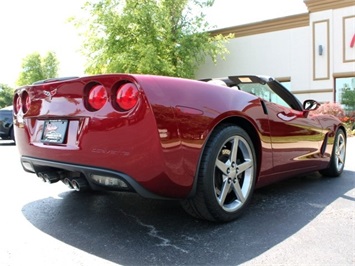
<point>44,81</point>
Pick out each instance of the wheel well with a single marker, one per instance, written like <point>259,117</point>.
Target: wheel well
<point>344,130</point>
<point>250,129</point>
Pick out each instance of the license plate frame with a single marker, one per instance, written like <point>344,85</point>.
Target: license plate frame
<point>54,131</point>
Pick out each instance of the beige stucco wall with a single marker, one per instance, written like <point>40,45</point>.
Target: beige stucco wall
<point>288,48</point>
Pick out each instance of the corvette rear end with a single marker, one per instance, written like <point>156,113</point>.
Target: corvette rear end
<point>98,132</point>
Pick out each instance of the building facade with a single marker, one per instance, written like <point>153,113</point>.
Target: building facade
<point>313,54</point>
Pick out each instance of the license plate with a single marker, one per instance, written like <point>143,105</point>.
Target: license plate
<point>54,131</point>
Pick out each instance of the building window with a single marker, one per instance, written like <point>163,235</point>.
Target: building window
<point>345,93</point>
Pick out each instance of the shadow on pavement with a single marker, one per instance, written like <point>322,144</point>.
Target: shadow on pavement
<point>130,230</point>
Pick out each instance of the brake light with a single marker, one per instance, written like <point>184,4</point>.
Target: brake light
<point>127,96</point>
<point>97,97</point>
<point>26,102</point>
<point>22,102</point>
<point>17,103</point>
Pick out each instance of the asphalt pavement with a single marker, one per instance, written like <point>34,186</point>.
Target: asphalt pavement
<point>308,220</point>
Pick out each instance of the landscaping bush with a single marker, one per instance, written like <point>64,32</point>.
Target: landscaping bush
<point>335,109</point>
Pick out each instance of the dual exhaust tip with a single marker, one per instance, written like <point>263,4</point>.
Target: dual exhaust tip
<point>76,184</point>
<point>53,177</point>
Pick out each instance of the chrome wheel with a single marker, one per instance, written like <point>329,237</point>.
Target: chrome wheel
<point>226,176</point>
<point>337,159</point>
<point>340,151</point>
<point>234,173</point>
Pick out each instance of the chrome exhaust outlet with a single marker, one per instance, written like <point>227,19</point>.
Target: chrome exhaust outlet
<point>68,183</point>
<point>76,184</point>
<point>79,184</point>
<point>48,177</point>
<point>41,176</point>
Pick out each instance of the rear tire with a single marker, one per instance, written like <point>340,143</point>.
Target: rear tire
<point>337,159</point>
<point>12,135</point>
<point>226,176</point>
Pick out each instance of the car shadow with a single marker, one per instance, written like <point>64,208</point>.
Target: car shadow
<point>129,230</point>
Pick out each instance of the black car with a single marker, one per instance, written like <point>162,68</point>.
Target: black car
<point>6,123</point>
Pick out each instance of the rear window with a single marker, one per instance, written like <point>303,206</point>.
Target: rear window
<point>5,113</point>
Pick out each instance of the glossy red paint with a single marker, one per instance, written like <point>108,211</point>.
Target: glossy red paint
<point>159,140</point>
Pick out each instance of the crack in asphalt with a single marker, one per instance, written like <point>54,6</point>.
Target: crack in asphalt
<point>153,232</point>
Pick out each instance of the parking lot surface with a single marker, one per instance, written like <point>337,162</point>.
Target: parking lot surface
<point>307,220</point>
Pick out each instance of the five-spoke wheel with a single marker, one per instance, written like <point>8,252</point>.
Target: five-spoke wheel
<point>226,177</point>
<point>233,173</point>
<point>337,160</point>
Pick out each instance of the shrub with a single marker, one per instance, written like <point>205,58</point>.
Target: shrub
<point>335,109</point>
<point>330,108</point>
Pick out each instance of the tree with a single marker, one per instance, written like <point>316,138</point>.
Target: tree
<point>6,95</point>
<point>35,67</point>
<point>163,37</point>
<point>348,98</point>
<point>50,65</point>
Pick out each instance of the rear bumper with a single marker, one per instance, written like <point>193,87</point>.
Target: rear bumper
<point>97,178</point>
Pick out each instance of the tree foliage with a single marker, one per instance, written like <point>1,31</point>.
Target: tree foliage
<point>35,67</point>
<point>348,98</point>
<point>163,37</point>
<point>6,95</point>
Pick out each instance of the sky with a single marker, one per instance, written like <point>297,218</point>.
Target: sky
<point>28,26</point>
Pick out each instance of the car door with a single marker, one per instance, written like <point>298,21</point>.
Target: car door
<point>296,137</point>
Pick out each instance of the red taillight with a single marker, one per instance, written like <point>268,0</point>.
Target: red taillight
<point>22,102</point>
<point>127,96</point>
<point>17,103</point>
<point>97,97</point>
<point>26,102</point>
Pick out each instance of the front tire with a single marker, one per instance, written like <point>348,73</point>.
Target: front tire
<point>337,159</point>
<point>226,177</point>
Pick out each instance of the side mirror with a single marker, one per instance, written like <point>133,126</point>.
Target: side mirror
<point>310,105</point>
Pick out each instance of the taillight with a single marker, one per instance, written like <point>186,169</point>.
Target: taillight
<point>22,102</point>
<point>127,96</point>
<point>26,102</point>
<point>97,97</point>
<point>17,103</point>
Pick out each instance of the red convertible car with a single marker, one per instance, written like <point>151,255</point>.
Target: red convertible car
<point>207,143</point>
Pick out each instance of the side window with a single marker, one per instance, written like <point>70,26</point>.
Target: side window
<point>264,92</point>
<point>278,100</point>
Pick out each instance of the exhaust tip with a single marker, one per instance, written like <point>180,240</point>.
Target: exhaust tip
<point>76,184</point>
<point>79,184</point>
<point>41,176</point>
<point>68,183</point>
<point>48,177</point>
